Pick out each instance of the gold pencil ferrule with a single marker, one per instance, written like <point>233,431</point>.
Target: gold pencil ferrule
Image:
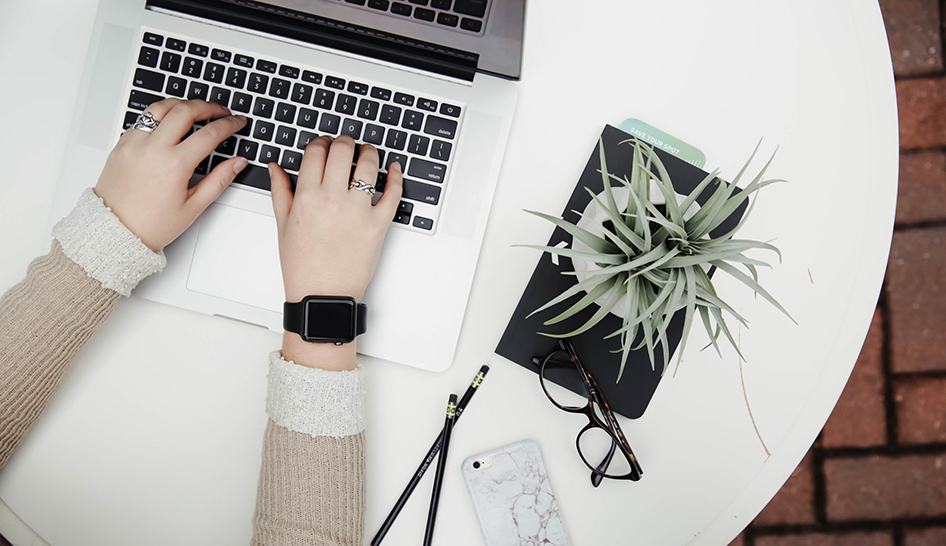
<point>478,380</point>
<point>451,410</point>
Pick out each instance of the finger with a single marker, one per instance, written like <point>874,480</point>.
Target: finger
<point>210,188</point>
<point>182,117</point>
<point>199,145</point>
<point>281,189</point>
<point>157,110</point>
<point>313,164</point>
<point>338,165</point>
<point>367,168</point>
<point>387,205</point>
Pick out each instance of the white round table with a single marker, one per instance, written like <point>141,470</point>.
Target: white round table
<point>155,435</point>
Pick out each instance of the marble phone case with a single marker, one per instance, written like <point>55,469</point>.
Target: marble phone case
<point>513,498</point>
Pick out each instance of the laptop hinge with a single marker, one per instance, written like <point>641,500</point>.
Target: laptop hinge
<point>329,33</point>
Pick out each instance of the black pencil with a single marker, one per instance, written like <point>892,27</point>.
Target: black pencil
<point>441,465</point>
<point>431,453</point>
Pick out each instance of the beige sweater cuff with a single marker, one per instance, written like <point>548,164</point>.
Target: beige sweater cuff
<point>313,401</point>
<point>104,248</point>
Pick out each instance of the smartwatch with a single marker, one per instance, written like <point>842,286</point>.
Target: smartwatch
<point>325,319</point>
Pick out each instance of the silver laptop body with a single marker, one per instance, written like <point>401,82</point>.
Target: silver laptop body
<point>458,76</point>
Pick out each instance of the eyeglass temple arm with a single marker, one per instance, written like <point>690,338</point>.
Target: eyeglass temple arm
<point>598,474</point>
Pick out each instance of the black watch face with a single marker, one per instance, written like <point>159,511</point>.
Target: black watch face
<point>330,319</point>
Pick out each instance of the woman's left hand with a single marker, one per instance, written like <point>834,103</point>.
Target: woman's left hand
<point>145,179</point>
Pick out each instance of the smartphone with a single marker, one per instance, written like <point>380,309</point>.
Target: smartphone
<point>513,498</point>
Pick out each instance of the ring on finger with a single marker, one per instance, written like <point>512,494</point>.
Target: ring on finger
<point>361,185</point>
<point>145,122</point>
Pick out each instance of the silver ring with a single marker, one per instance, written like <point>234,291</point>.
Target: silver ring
<point>145,122</point>
<point>361,185</point>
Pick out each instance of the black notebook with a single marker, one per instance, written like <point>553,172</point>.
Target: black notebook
<point>521,342</point>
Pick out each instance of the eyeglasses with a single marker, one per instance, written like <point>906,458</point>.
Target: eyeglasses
<point>602,436</point>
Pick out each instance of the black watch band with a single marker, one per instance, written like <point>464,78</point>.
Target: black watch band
<point>326,319</point>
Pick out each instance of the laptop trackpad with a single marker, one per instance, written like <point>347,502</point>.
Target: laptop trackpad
<point>237,258</point>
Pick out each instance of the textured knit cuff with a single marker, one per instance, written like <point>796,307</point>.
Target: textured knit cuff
<point>313,401</point>
<point>94,238</point>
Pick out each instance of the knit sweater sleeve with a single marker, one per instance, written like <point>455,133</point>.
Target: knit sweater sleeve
<point>47,318</point>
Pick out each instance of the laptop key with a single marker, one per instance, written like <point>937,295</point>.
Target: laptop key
<point>475,8</point>
<point>447,19</point>
<point>412,120</point>
<point>395,158</point>
<point>334,81</point>
<point>236,77</point>
<point>170,62</point>
<point>130,119</point>
<point>441,4</point>
<point>356,2</point>
<point>374,134</point>
<point>424,14</point>
<point>220,96</point>
<point>379,4</point>
<point>352,128</point>
<point>405,207</point>
<point>227,147</point>
<point>291,160</point>
<point>396,139</point>
<point>402,218</point>
<point>380,93</point>
<point>279,88</point>
<point>357,88</point>
<point>199,50</point>
<point>243,60</point>
<point>263,107</point>
<point>423,223</point>
<point>269,154</point>
<point>220,55</point>
<point>248,149</point>
<point>192,67</point>
<point>241,102</point>
<point>418,191</point>
<point>473,25</point>
<point>289,71</point>
<point>368,109</point>
<point>202,166</point>
<point>427,104</point>
<point>176,86</point>
<point>313,77</point>
<point>245,131</point>
<point>285,112</point>
<point>258,83</point>
<point>346,104</point>
<point>266,66</point>
<point>450,110</point>
<point>440,127</point>
<point>418,145</point>
<point>197,91</point>
<point>153,39</point>
<point>404,98</point>
<point>329,123</point>
<point>307,118</point>
<point>305,137</point>
<point>390,114</point>
<point>285,135</point>
<point>253,176</point>
<point>324,99</point>
<point>213,72</point>
<point>147,79</point>
<point>401,9</point>
<point>175,44</point>
<point>427,170</point>
<point>301,93</point>
<point>140,100</point>
<point>440,150</point>
<point>148,56</point>
<point>264,131</point>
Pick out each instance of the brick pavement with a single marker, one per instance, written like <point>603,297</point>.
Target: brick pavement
<point>877,474</point>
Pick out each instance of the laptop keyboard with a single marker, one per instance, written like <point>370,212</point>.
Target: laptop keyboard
<point>466,15</point>
<point>288,106</point>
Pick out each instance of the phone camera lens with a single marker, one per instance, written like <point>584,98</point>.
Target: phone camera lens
<point>476,464</point>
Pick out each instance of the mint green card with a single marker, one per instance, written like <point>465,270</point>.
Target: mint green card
<point>661,140</point>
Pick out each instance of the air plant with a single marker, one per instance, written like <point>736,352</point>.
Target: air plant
<point>654,257</point>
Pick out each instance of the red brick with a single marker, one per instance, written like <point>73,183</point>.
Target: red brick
<point>913,32</point>
<point>794,503</point>
<point>921,411</point>
<point>916,287</point>
<point>921,194</point>
<point>922,107</point>
<point>934,536</point>
<point>859,419</point>
<point>875,538</point>
<point>882,487</point>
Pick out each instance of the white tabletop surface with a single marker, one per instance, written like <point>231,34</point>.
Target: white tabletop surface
<point>155,435</point>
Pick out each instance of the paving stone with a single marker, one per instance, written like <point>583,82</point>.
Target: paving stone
<point>922,107</point>
<point>921,194</point>
<point>859,419</point>
<point>874,538</point>
<point>921,411</point>
<point>882,487</point>
<point>913,31</point>
<point>916,289</point>
<point>795,502</point>
<point>934,536</point>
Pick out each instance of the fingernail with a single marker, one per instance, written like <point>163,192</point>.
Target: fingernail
<point>396,166</point>
<point>270,169</point>
<point>239,165</point>
<point>241,116</point>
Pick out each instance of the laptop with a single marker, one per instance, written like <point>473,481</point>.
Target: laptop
<point>430,83</point>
